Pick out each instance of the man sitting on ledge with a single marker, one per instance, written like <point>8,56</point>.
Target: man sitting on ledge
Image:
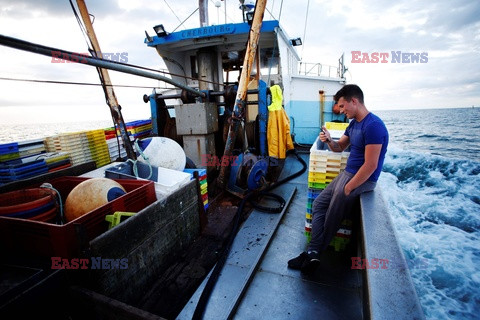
<point>368,139</point>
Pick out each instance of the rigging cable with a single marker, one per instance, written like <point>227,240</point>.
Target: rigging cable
<point>271,14</point>
<point>280,14</point>
<point>191,14</point>
<point>225,11</point>
<point>76,83</point>
<point>82,27</point>
<point>305,29</point>
<point>95,54</point>
<point>172,11</point>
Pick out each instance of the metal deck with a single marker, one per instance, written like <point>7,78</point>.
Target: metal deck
<point>255,282</point>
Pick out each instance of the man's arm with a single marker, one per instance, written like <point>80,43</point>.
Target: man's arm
<point>335,146</point>
<point>372,154</point>
<point>340,145</point>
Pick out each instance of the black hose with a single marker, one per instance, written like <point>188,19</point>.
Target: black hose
<point>202,302</point>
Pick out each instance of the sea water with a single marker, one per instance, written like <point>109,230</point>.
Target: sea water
<point>431,182</point>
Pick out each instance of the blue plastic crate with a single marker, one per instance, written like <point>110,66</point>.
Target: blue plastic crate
<point>21,168</point>
<point>7,148</point>
<point>201,172</point>
<point>25,175</point>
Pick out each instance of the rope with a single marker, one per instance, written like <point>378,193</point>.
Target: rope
<point>134,162</point>
<point>49,186</point>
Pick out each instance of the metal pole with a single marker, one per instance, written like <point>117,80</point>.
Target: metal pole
<point>238,111</point>
<point>87,60</point>
<point>203,5</point>
<point>322,107</point>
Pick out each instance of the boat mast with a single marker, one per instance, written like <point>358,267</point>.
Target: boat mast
<point>106,83</point>
<point>203,6</point>
<point>239,108</point>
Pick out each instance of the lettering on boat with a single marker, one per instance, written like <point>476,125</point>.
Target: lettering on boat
<point>207,31</point>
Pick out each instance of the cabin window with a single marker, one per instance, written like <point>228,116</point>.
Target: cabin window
<point>193,67</point>
<point>232,62</point>
<point>269,60</point>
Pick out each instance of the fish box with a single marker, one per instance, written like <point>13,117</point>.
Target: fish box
<point>166,180</point>
<point>27,238</point>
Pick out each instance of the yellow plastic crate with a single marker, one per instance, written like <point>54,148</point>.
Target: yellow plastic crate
<point>336,125</point>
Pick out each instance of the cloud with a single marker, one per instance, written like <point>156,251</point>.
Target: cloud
<point>56,8</point>
<point>448,31</point>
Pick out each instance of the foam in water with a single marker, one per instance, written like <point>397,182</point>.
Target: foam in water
<point>435,206</point>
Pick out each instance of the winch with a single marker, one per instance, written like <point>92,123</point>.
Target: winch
<point>248,173</point>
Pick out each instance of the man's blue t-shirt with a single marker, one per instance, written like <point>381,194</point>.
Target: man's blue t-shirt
<point>371,130</point>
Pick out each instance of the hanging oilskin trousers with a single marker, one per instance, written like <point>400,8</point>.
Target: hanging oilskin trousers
<point>278,128</point>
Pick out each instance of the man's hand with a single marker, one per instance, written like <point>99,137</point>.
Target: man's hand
<point>347,190</point>
<point>325,135</point>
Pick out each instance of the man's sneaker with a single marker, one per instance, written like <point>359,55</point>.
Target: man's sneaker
<point>310,263</point>
<point>297,263</point>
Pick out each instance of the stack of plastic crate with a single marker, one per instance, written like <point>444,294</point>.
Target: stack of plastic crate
<point>56,160</point>
<point>75,143</point>
<point>82,146</point>
<point>31,148</point>
<point>202,177</point>
<point>116,149</point>
<point>9,151</point>
<point>324,166</point>
<point>17,150</point>
<point>22,160</point>
<point>98,147</point>
<point>138,129</point>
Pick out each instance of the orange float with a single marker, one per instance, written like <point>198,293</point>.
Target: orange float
<point>90,195</point>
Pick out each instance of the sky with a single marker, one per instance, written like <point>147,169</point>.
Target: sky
<point>445,33</point>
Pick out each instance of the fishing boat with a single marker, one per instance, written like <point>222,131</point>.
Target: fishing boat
<point>224,75</point>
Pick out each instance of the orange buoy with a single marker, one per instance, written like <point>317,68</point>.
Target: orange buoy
<point>90,195</point>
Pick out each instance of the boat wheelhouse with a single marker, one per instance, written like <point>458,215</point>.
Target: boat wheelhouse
<point>308,88</point>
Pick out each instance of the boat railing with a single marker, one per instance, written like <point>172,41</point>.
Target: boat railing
<point>317,70</point>
<point>390,292</point>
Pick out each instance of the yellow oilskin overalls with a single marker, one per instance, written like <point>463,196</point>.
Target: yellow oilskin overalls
<point>278,128</point>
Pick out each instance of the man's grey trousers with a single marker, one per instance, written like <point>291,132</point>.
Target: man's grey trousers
<point>330,207</point>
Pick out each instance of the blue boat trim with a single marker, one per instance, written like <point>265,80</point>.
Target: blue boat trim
<point>210,31</point>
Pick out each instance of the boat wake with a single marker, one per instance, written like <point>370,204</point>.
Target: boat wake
<point>435,206</point>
